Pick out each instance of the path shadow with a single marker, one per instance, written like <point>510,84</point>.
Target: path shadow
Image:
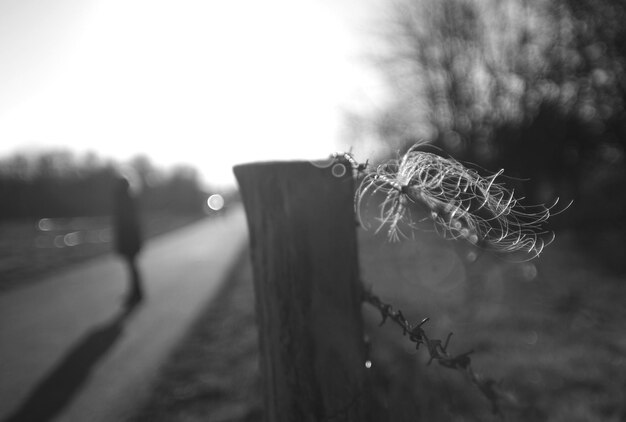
<point>58,388</point>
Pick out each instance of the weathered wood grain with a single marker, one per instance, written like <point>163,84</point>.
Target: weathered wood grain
<point>304,255</point>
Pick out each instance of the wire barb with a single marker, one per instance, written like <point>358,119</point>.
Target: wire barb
<point>438,351</point>
<point>349,158</point>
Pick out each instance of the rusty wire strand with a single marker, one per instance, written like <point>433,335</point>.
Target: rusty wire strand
<point>438,351</point>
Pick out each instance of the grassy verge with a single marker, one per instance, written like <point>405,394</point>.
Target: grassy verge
<point>551,330</point>
<point>213,375</point>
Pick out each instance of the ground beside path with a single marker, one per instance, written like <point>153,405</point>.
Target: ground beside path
<point>213,375</point>
<point>67,346</point>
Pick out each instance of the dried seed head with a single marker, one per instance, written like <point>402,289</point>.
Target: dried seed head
<point>461,203</point>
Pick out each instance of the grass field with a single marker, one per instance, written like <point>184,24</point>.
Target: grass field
<point>30,249</point>
<point>552,330</point>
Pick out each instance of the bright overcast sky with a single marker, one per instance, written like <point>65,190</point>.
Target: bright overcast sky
<point>209,83</point>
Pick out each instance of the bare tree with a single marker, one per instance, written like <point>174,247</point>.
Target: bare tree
<point>538,87</point>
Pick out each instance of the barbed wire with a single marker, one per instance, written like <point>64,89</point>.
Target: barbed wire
<point>348,158</point>
<point>463,205</point>
<point>438,351</point>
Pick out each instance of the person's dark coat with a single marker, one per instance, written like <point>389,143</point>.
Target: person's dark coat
<point>126,227</point>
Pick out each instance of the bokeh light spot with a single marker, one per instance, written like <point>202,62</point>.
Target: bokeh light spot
<point>323,164</point>
<point>73,239</point>
<point>59,241</point>
<point>215,202</point>
<point>45,224</point>
<point>473,239</point>
<point>339,170</point>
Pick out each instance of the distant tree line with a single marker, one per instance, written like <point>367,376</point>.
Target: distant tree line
<point>62,184</point>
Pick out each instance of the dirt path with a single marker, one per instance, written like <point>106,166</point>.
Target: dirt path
<point>69,349</point>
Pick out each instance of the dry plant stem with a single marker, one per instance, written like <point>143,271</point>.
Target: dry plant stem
<point>438,350</point>
<point>461,203</point>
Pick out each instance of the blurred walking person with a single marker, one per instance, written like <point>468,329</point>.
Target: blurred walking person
<point>127,231</point>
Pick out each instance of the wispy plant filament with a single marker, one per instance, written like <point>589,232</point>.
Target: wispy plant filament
<point>460,202</point>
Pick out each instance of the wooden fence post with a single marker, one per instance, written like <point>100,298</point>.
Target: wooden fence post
<point>304,256</point>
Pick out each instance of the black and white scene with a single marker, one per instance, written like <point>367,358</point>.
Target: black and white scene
<point>313,210</point>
